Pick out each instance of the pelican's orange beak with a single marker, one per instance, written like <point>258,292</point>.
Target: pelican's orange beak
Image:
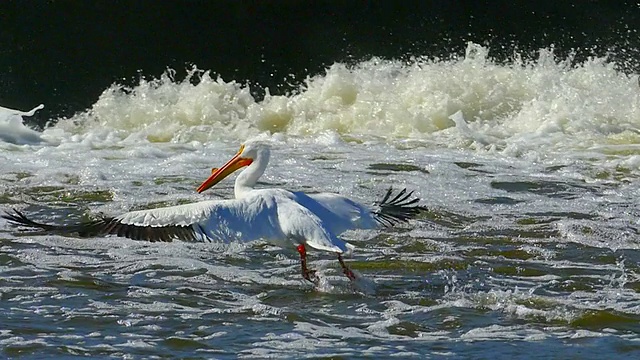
<point>217,174</point>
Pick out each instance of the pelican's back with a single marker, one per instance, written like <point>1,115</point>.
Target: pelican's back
<point>338,213</point>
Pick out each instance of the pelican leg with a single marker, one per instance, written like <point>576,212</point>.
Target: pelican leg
<point>345,269</point>
<point>306,273</point>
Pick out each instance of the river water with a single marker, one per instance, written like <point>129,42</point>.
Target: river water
<point>529,171</point>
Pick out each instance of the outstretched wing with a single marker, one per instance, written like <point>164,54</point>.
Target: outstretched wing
<point>108,226</point>
<point>181,222</point>
<point>214,220</point>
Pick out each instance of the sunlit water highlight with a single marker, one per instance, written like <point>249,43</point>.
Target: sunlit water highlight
<point>530,245</point>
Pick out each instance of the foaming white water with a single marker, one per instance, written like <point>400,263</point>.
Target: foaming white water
<point>164,110</point>
<point>13,131</point>
<point>519,108</point>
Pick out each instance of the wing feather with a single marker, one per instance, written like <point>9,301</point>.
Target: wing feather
<point>162,224</point>
<point>338,212</point>
<point>214,220</point>
<point>107,226</point>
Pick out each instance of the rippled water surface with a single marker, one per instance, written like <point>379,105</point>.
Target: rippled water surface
<point>507,260</point>
<point>529,246</point>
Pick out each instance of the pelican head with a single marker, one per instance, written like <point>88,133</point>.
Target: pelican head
<point>253,154</point>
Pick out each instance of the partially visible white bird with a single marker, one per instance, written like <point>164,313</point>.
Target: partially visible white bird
<point>275,215</point>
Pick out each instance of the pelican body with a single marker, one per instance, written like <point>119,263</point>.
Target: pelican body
<point>276,215</point>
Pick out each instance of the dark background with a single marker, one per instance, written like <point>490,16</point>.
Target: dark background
<point>65,53</point>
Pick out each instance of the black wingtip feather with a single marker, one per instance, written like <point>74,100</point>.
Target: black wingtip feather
<point>84,229</point>
<point>106,226</point>
<point>400,208</point>
<point>17,218</point>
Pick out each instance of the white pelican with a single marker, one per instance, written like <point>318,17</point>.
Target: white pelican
<point>275,215</point>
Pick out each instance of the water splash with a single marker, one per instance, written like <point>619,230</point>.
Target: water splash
<point>532,108</point>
